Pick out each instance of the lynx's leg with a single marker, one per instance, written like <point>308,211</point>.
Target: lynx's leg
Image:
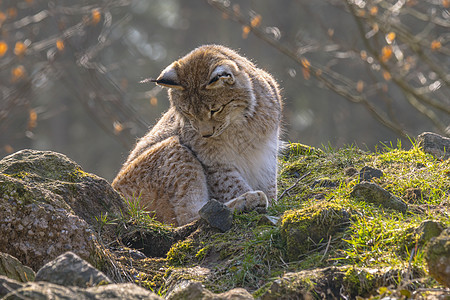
<point>254,200</point>
<point>229,187</point>
<point>169,180</point>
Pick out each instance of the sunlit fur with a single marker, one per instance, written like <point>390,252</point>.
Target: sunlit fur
<point>219,139</point>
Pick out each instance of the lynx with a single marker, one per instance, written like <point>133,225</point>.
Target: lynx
<point>219,139</point>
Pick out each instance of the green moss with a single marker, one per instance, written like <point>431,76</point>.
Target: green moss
<point>304,229</point>
<point>201,254</point>
<point>359,282</point>
<point>180,252</point>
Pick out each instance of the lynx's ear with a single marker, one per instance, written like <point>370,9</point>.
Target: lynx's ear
<point>169,78</point>
<point>222,74</point>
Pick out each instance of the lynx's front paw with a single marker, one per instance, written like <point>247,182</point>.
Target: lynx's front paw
<point>254,200</point>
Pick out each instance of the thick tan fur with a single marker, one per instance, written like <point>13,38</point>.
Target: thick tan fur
<point>219,139</point>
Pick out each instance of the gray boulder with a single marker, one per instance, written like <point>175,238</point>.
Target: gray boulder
<point>48,206</point>
<point>46,290</point>
<point>69,269</point>
<point>434,144</point>
<point>375,194</point>
<point>438,257</point>
<point>194,290</point>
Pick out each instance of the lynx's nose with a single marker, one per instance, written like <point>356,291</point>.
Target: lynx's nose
<point>206,131</point>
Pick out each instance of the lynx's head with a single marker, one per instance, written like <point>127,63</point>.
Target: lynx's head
<point>211,87</point>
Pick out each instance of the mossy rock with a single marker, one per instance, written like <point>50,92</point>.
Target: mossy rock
<point>49,205</point>
<point>375,194</point>
<point>297,149</point>
<point>323,283</point>
<point>31,176</point>
<point>438,257</point>
<point>302,229</point>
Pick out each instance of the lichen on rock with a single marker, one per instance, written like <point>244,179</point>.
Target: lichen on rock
<point>302,229</point>
<point>48,206</point>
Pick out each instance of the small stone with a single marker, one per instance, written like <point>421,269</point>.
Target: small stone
<point>350,171</point>
<point>368,173</point>
<point>135,254</point>
<point>70,270</point>
<point>438,257</point>
<point>324,182</point>
<point>217,215</point>
<point>434,144</point>
<point>373,193</point>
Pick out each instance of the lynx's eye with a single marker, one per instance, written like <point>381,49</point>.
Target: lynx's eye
<point>219,76</point>
<point>216,111</point>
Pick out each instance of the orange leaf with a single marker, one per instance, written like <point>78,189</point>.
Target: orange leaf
<point>12,12</point>
<point>2,17</point>
<point>118,127</point>
<point>360,86</point>
<point>390,37</point>
<point>386,53</point>
<point>32,119</point>
<point>256,21</point>
<point>153,101</point>
<point>18,73</point>
<point>60,44</point>
<point>305,63</point>
<point>3,48</point>
<point>20,49</point>
<point>435,45</point>
<point>374,10</point>
<point>96,16</point>
<point>306,73</point>
<point>386,75</point>
<point>245,31</point>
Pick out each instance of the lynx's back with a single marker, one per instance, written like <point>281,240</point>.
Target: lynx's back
<point>219,139</point>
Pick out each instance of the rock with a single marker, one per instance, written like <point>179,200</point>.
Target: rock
<point>438,257</point>
<point>217,215</point>
<point>12,268</point>
<point>46,290</point>
<point>194,290</point>
<point>48,206</point>
<point>307,284</point>
<point>368,173</point>
<point>69,269</point>
<point>303,229</point>
<point>297,149</point>
<point>179,276</point>
<point>375,194</point>
<point>434,144</point>
<point>427,230</point>
<point>350,171</point>
<point>69,277</point>
<point>325,182</point>
<point>7,285</point>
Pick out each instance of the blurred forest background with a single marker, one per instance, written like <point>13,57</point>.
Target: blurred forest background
<point>352,71</point>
